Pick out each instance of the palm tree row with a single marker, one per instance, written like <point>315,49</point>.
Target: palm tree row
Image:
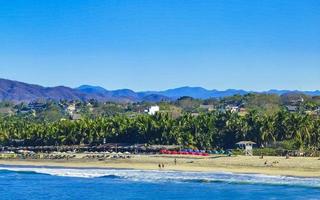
<point>206,131</point>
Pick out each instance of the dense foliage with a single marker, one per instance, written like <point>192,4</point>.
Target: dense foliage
<point>208,130</point>
<point>52,110</point>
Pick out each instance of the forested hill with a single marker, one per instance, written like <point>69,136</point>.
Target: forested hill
<point>24,92</point>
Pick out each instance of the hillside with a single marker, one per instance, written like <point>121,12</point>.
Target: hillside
<point>18,92</point>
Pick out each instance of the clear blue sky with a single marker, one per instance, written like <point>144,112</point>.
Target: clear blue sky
<point>153,45</point>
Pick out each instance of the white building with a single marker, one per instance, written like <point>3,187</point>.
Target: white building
<point>247,147</point>
<point>153,110</point>
<point>71,108</point>
<point>232,109</point>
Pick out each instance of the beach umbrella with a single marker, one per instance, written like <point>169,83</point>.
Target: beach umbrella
<point>163,151</point>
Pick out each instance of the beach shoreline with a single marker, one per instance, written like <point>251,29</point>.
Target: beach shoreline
<point>296,166</point>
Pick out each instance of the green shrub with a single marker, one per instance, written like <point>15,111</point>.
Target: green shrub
<point>266,152</point>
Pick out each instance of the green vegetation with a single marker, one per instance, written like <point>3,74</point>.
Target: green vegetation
<point>206,131</point>
<point>290,122</point>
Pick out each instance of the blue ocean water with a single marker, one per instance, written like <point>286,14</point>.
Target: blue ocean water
<point>34,183</point>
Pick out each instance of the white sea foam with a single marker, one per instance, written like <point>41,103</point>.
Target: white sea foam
<point>172,176</point>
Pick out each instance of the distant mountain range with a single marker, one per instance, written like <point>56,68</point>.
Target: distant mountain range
<point>24,92</point>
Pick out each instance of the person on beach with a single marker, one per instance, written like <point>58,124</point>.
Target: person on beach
<point>162,165</point>
<point>175,161</point>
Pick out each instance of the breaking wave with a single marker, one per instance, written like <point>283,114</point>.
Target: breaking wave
<point>168,176</point>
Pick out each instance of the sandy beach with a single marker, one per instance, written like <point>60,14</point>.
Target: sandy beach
<point>294,166</point>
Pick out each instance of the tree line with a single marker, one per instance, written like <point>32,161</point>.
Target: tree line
<point>205,131</point>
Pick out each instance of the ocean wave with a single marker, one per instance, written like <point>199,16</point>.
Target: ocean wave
<point>169,176</point>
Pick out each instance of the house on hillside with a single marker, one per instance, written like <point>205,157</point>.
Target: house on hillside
<point>291,108</point>
<point>152,110</point>
<point>232,108</point>
<point>71,108</point>
<point>297,101</point>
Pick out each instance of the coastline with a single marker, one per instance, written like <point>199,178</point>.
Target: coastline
<point>295,166</point>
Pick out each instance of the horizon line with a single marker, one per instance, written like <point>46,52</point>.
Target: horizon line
<point>161,90</point>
